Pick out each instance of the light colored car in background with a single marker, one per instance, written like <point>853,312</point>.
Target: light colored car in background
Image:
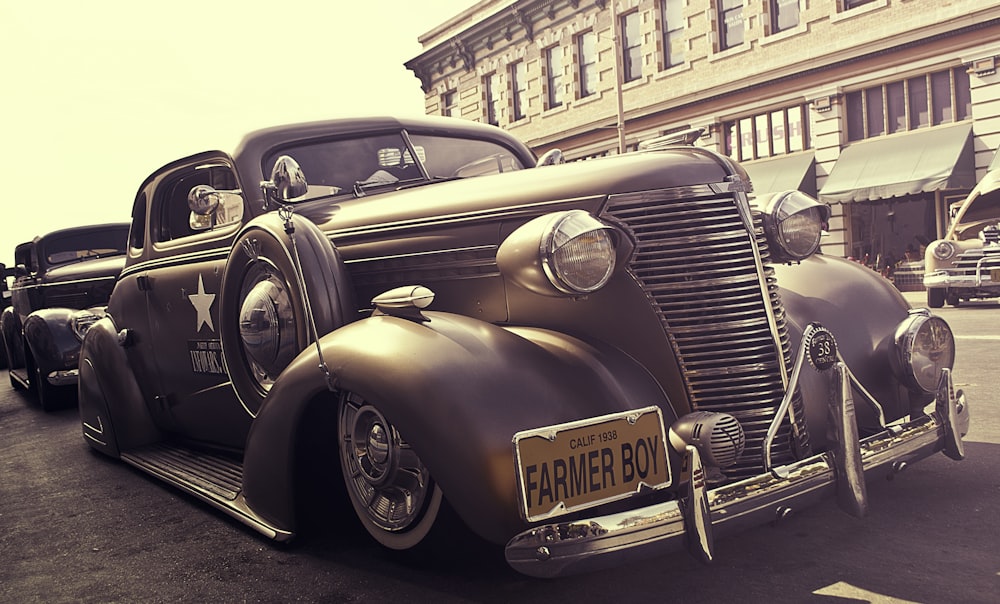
<point>965,264</point>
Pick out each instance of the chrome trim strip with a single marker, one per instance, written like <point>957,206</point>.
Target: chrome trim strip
<point>61,283</point>
<point>178,260</point>
<point>559,549</point>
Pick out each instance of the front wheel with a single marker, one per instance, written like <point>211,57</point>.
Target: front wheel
<point>935,297</point>
<point>390,489</point>
<point>49,397</point>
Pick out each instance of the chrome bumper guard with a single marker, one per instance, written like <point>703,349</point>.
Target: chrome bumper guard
<point>557,549</point>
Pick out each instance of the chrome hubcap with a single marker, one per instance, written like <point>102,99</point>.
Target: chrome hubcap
<point>385,477</point>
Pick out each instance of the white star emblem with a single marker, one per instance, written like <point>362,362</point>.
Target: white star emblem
<point>202,303</point>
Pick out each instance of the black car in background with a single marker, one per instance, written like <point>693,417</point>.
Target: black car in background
<point>62,282</point>
<point>4,303</point>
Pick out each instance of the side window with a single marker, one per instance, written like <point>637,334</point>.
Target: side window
<point>173,216</point>
<point>137,232</point>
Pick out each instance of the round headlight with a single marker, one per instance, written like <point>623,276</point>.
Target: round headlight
<point>81,322</point>
<point>794,223</point>
<point>925,345</point>
<point>267,330</point>
<point>943,250</point>
<point>578,253</point>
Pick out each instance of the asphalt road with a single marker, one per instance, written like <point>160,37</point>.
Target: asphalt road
<point>78,527</point>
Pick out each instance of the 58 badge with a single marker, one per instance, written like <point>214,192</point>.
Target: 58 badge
<point>821,348</point>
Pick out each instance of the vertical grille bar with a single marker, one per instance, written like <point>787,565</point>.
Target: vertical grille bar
<point>696,262</point>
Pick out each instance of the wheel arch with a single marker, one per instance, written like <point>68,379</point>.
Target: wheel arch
<point>453,384</point>
<point>304,252</point>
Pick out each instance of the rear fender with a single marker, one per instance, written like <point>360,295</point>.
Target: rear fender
<point>457,389</point>
<point>112,409</point>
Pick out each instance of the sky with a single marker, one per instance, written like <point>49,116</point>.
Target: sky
<point>97,94</point>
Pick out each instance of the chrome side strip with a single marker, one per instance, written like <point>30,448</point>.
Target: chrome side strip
<point>558,549</point>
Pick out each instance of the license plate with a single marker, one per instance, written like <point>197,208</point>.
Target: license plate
<point>578,465</point>
<point>995,275</point>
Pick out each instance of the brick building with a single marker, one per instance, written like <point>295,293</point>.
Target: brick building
<point>887,109</point>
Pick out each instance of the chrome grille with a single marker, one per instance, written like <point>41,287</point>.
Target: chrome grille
<point>978,261</point>
<point>696,262</point>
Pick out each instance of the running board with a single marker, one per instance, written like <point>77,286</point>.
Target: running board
<point>213,478</point>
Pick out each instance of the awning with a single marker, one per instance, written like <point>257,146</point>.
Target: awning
<point>784,173</point>
<point>917,162</point>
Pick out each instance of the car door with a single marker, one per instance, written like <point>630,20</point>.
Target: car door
<point>181,281</point>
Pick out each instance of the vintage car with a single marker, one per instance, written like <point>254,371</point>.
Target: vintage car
<point>62,282</point>
<point>586,362</point>
<point>4,303</point>
<point>965,264</point>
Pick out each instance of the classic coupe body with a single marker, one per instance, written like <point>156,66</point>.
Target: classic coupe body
<point>62,281</point>
<point>965,263</point>
<point>585,362</point>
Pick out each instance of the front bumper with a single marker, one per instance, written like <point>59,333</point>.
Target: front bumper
<point>63,377</point>
<point>979,282</point>
<point>694,520</point>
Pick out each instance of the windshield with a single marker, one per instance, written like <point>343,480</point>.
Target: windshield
<point>361,165</point>
<point>72,247</point>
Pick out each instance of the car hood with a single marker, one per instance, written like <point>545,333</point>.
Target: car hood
<point>578,181</point>
<point>86,269</point>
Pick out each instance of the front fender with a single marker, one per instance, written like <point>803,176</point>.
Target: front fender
<point>457,389</point>
<point>113,414</point>
<point>10,330</point>
<point>49,336</point>
<point>862,309</point>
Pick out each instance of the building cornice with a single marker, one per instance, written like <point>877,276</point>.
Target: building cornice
<point>937,33</point>
<point>509,23</point>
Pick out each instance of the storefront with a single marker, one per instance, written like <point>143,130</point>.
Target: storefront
<point>896,190</point>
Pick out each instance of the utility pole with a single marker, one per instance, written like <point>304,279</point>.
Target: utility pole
<point>618,77</point>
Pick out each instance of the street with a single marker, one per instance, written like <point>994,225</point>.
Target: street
<point>76,526</point>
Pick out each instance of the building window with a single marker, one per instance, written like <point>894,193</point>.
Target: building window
<point>929,100</point>
<point>673,32</point>
<point>768,134</point>
<point>491,85</point>
<point>849,4</point>
<point>784,15</point>
<point>631,47</point>
<point>553,76</point>
<point>448,100</point>
<point>519,90</point>
<point>730,23</point>
<point>586,49</point>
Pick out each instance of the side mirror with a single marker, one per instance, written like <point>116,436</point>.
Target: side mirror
<point>203,200</point>
<point>211,208</point>
<point>551,157</point>
<point>287,181</point>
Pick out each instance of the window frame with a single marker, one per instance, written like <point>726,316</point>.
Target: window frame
<point>553,77</point>
<point>629,46</point>
<point>670,31</point>
<point>586,69</point>
<point>517,72</point>
<point>724,10</point>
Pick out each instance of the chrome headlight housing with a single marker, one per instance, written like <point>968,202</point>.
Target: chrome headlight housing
<point>81,321</point>
<point>794,223</point>
<point>943,250</point>
<point>267,325</point>
<point>924,346</point>
<point>564,253</point>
